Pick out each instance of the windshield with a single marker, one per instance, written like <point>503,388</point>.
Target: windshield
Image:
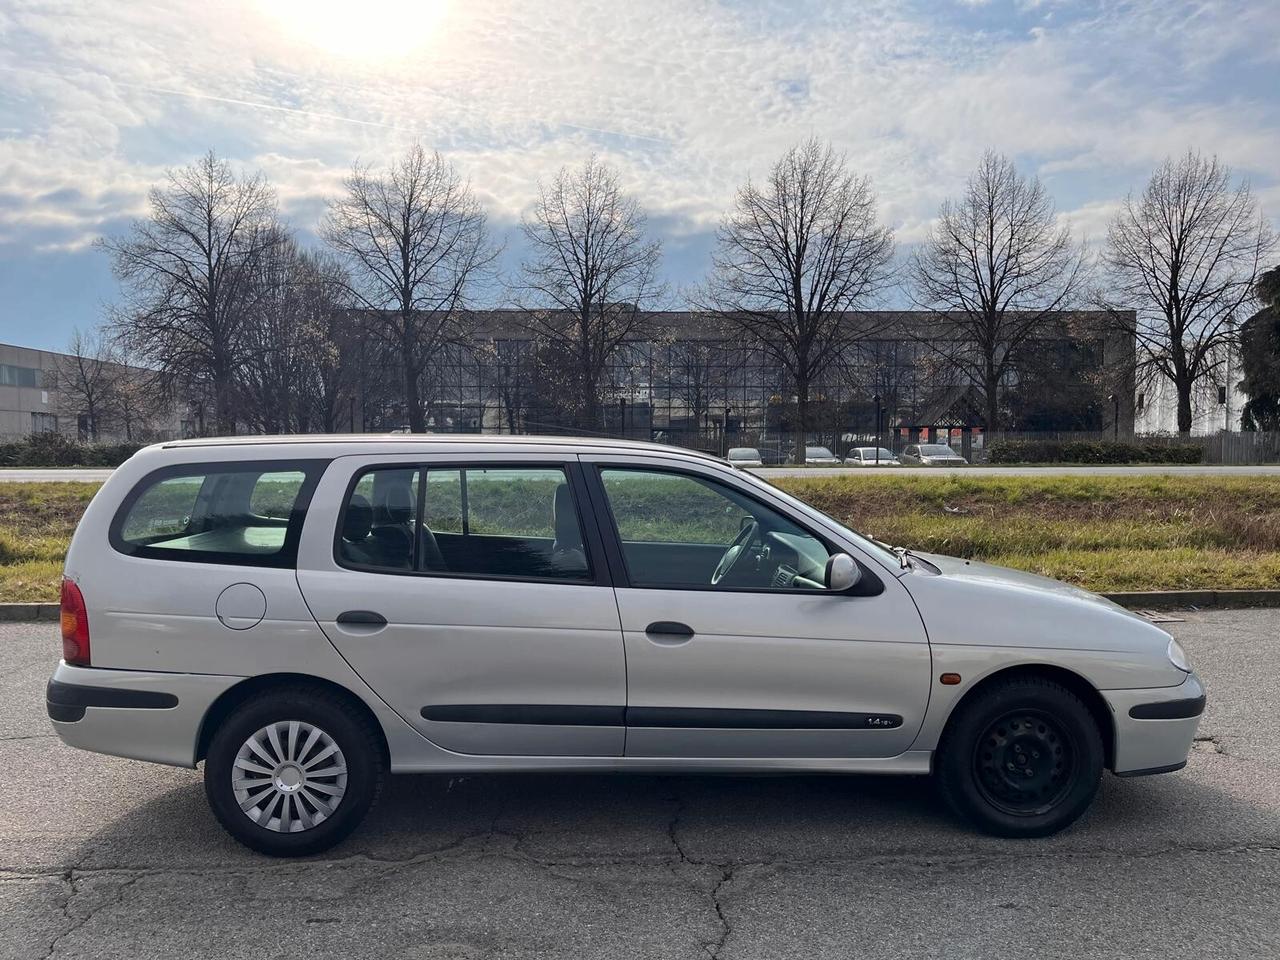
<point>814,453</point>
<point>936,450</point>
<point>744,453</point>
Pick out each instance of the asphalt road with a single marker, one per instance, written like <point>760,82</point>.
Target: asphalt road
<point>104,858</point>
<point>98,475</point>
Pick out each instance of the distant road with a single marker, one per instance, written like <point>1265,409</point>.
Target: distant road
<point>1100,471</point>
<point>98,475</point>
<point>83,474</point>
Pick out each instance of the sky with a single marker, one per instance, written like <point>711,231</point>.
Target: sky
<point>686,99</point>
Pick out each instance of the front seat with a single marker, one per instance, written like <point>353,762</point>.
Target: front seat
<point>567,553</point>
<point>392,535</point>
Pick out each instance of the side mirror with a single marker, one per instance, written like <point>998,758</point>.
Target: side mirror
<point>842,572</point>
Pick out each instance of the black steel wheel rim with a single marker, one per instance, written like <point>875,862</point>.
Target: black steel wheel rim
<point>1024,763</point>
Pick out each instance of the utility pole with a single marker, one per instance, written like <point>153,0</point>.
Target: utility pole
<point>877,429</point>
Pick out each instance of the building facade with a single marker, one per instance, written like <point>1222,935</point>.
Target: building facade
<point>686,380</point>
<point>35,397</point>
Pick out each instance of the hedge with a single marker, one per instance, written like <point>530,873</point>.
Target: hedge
<point>1092,451</point>
<point>58,450</point>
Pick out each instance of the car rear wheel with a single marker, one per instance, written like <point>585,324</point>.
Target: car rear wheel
<point>293,771</point>
<point>1022,759</point>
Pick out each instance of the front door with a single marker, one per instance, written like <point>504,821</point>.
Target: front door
<point>468,597</point>
<point>734,646</point>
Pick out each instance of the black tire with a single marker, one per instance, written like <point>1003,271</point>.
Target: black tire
<point>1020,725</point>
<point>358,743</point>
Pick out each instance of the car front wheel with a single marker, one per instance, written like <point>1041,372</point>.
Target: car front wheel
<point>1022,759</point>
<point>293,771</point>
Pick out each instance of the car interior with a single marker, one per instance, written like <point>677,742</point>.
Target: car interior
<point>380,535</point>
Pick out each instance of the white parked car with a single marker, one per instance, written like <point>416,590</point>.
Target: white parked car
<point>744,457</point>
<point>306,615</point>
<point>932,455</point>
<point>820,457</point>
<point>871,457</point>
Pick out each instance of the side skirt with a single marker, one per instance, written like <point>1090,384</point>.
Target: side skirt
<point>910,763</point>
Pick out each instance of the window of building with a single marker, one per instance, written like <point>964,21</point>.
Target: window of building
<point>43,422</point>
<point>242,514</point>
<point>15,376</point>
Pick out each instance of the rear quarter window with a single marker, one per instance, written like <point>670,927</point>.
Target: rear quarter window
<point>247,513</point>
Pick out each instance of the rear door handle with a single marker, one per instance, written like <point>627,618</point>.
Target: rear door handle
<point>361,618</point>
<point>668,631</point>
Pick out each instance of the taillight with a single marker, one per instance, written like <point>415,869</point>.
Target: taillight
<point>75,625</point>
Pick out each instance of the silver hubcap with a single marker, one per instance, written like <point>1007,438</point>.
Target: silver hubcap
<point>289,776</point>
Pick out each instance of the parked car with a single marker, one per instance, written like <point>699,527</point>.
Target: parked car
<point>932,455</point>
<point>744,457</point>
<point>871,457</point>
<point>306,615</point>
<point>820,457</point>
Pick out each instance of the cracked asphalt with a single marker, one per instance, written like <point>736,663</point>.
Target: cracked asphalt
<point>102,858</point>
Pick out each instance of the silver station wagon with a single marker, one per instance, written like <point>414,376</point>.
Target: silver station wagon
<point>307,615</point>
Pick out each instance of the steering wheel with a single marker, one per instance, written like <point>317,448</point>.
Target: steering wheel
<point>736,551</point>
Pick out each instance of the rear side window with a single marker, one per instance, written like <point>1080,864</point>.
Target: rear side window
<point>517,522</point>
<point>246,513</point>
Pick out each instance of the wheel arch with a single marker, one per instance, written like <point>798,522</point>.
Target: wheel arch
<point>1072,681</point>
<point>233,697</point>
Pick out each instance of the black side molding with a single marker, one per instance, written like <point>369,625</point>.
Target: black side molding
<point>672,717</point>
<point>561,715</point>
<point>1168,709</point>
<point>717,717</point>
<point>66,702</point>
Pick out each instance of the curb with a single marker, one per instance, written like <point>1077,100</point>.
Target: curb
<point>1182,599</point>
<point>13,612</point>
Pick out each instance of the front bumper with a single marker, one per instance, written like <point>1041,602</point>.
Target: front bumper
<point>131,713</point>
<point>1155,727</point>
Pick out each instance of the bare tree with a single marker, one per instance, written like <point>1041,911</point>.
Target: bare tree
<point>272,379</point>
<point>335,335</point>
<point>590,277</point>
<point>415,240</point>
<point>995,269</point>
<point>187,273</point>
<point>88,384</point>
<point>793,257</point>
<point>1184,258</point>
<point>698,374</point>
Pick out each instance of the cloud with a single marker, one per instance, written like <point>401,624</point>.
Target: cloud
<point>685,97</point>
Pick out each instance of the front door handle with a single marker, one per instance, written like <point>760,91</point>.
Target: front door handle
<point>668,631</point>
<point>361,618</point>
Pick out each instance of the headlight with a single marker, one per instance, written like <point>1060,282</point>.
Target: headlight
<point>1178,657</point>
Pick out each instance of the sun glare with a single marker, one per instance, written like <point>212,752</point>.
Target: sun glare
<point>359,29</point>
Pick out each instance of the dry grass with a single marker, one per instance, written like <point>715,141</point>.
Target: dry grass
<point>1104,533</point>
<point>36,523</point>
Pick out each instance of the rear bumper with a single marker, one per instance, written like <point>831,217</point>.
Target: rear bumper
<point>131,713</point>
<point>1155,727</point>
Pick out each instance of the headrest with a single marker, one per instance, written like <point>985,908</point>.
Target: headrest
<point>397,502</point>
<point>357,520</point>
<point>565,520</point>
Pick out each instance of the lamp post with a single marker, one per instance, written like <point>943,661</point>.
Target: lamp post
<point>877,398</point>
<point>1115,415</point>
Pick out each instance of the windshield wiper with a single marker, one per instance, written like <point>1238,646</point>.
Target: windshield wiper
<point>904,556</point>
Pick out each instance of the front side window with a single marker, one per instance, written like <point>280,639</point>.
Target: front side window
<point>509,522</point>
<point>679,530</point>
<point>249,514</point>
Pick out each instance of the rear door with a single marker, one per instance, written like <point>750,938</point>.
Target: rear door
<point>734,647</point>
<point>470,595</point>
